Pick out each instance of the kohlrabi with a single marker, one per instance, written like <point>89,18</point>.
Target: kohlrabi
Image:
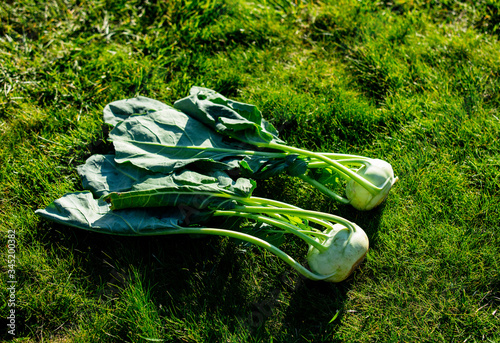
<point>186,201</point>
<point>244,123</point>
<point>380,174</point>
<point>207,131</point>
<point>176,170</point>
<point>368,180</point>
<point>347,247</point>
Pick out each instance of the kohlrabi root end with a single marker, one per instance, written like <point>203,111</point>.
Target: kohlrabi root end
<point>346,250</point>
<point>380,174</point>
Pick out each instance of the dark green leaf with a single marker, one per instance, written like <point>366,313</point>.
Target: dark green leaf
<point>234,119</point>
<point>81,210</point>
<point>263,168</point>
<point>120,110</point>
<point>185,188</point>
<point>167,140</point>
<point>102,175</point>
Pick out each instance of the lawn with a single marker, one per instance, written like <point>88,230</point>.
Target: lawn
<point>416,83</point>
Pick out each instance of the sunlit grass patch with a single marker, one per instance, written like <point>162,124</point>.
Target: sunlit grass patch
<point>413,82</point>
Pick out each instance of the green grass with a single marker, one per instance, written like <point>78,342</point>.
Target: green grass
<point>416,83</point>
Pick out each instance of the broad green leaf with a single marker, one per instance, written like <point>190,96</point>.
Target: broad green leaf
<point>167,140</point>
<point>263,168</point>
<point>102,175</point>
<point>234,119</point>
<point>117,111</point>
<point>81,210</point>
<point>186,189</point>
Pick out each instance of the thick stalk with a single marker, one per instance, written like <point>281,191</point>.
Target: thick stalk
<point>345,162</point>
<point>264,201</point>
<point>299,213</point>
<point>312,230</point>
<point>254,240</point>
<point>306,232</point>
<point>324,189</point>
<point>275,222</point>
<point>336,156</point>
<point>233,151</point>
<point>334,164</point>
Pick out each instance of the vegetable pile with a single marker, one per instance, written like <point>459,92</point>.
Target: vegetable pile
<point>176,169</point>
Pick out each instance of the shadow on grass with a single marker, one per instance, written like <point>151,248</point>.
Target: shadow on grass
<point>204,287</point>
<point>315,309</point>
<point>185,277</point>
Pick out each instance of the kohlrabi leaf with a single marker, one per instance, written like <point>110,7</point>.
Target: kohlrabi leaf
<point>102,175</point>
<point>81,210</point>
<point>234,119</point>
<point>263,168</point>
<point>186,189</point>
<point>117,111</point>
<point>167,140</point>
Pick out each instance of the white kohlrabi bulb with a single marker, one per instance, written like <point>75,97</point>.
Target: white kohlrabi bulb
<point>380,174</point>
<point>346,250</point>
